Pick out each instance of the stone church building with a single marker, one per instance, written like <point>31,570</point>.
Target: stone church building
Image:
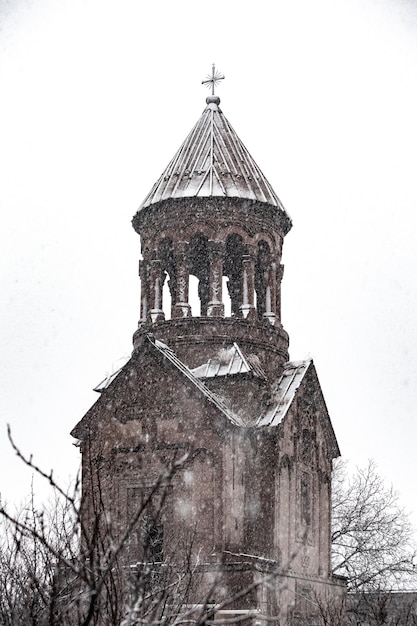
<point>210,388</point>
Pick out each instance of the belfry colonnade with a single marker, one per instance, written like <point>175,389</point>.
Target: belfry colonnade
<point>212,214</point>
<point>252,268</point>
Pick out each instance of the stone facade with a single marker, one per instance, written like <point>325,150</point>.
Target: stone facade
<point>248,429</point>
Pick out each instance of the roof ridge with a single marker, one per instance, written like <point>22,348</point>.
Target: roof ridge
<point>210,395</point>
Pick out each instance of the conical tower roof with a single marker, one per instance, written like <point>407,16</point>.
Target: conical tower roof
<point>212,162</point>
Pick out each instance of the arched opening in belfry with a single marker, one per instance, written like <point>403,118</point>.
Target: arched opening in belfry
<point>232,268</point>
<point>200,268</point>
<point>166,255</point>
<point>227,302</point>
<point>166,300</point>
<point>262,269</point>
<point>194,300</point>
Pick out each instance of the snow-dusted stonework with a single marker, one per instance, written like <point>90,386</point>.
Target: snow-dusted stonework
<point>254,490</point>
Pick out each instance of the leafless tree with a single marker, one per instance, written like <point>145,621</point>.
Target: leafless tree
<point>372,537</point>
<point>56,570</point>
<point>379,608</point>
<point>33,541</point>
<point>330,611</point>
<point>373,547</point>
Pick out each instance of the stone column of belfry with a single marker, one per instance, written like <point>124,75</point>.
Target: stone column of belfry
<point>271,294</point>
<point>280,274</point>
<point>215,307</point>
<point>181,307</point>
<point>247,308</point>
<point>144,289</point>
<point>156,285</point>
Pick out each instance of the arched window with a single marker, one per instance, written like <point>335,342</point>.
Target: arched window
<point>305,499</point>
<point>193,296</point>
<point>200,267</point>
<point>152,531</point>
<point>232,268</point>
<point>262,268</point>
<point>166,255</point>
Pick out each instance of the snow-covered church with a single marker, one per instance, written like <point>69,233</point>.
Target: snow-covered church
<point>210,442</point>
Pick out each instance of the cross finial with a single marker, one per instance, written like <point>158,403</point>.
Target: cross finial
<point>213,80</point>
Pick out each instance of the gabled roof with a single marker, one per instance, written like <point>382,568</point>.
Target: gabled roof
<point>291,379</point>
<point>230,362</point>
<point>212,161</point>
<point>217,400</point>
<point>170,356</point>
<point>285,394</point>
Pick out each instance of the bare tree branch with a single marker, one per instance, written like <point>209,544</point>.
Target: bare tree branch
<point>372,538</point>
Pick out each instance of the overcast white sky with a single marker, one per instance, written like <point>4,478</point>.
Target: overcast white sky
<point>96,96</point>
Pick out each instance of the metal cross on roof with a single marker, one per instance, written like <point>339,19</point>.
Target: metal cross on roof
<point>213,80</point>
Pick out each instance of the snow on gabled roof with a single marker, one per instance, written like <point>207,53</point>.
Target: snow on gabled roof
<point>229,362</point>
<point>291,379</point>
<point>213,161</point>
<point>214,398</point>
<point>106,382</point>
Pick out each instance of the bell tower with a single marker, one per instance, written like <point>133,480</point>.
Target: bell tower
<point>213,215</point>
<point>215,384</point>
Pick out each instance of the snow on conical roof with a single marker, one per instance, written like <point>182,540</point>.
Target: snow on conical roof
<point>212,162</point>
